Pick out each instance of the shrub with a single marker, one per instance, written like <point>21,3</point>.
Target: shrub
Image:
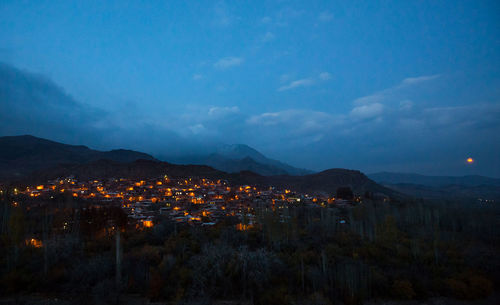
<point>403,289</point>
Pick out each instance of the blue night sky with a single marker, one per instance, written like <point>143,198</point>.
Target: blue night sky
<point>407,86</point>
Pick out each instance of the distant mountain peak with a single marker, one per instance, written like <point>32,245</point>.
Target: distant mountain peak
<point>234,158</point>
<point>239,151</point>
<point>249,158</point>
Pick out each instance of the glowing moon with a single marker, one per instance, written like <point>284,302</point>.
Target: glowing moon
<point>470,160</point>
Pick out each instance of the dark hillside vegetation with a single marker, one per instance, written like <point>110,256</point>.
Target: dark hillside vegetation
<point>310,255</point>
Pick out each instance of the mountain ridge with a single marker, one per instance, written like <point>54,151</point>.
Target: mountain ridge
<point>43,160</point>
<point>21,155</point>
<point>239,151</point>
<point>434,181</point>
<point>440,187</point>
<point>234,158</point>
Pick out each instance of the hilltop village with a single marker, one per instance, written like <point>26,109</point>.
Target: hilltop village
<point>200,202</point>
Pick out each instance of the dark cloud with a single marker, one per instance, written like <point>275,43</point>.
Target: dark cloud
<point>33,104</point>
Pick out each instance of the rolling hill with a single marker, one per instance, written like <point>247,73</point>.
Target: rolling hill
<point>441,187</point>
<point>31,159</point>
<point>434,181</point>
<point>21,155</point>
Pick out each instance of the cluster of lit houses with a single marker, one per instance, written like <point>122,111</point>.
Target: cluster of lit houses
<point>192,201</point>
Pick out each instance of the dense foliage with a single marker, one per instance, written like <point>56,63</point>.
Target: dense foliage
<point>296,255</point>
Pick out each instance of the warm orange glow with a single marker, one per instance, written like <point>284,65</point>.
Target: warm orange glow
<point>196,201</point>
<point>34,243</point>
<point>148,223</point>
<point>39,187</point>
<point>243,227</point>
<point>470,160</point>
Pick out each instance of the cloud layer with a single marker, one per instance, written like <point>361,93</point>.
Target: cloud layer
<point>228,62</point>
<point>396,128</point>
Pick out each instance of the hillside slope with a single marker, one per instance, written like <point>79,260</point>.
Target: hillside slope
<point>441,187</point>
<point>434,181</point>
<point>325,183</point>
<point>21,155</point>
<point>29,159</point>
